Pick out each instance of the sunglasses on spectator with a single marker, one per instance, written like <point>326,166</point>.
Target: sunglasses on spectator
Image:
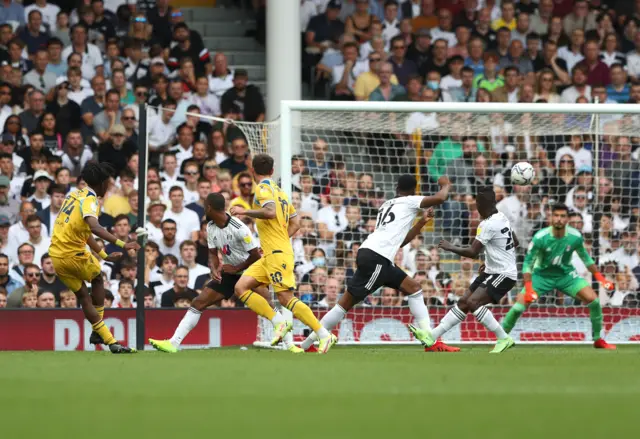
<point>398,47</point>
<point>566,161</point>
<point>128,118</point>
<point>33,274</point>
<point>374,59</point>
<point>140,20</point>
<point>191,173</point>
<point>246,184</point>
<point>210,167</point>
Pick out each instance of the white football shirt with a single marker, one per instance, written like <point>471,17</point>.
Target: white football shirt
<point>234,240</point>
<point>499,249</point>
<point>395,219</point>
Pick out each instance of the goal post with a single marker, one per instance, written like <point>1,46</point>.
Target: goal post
<point>585,155</point>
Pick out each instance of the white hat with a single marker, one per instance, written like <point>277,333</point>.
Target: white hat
<point>41,174</point>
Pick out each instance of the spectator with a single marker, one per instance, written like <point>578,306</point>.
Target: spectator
<point>125,294</point>
<point>31,35</point>
<point>155,213</point>
<point>30,117</point>
<point>68,113</point>
<point>461,47</point>
<point>633,60</point>
<point>237,162</point>
<point>323,29</point>
<point>359,23</point>
<point>18,232</point>
<point>390,21</point>
<point>12,11</point>
<point>67,299</point>
<point>40,197</point>
<point>331,294</point>
<point>180,289</point>
<point>515,58</point>
<point>114,150</point>
<point>580,18</point>
<point>187,48</point>
<point>522,28</point>
<point>437,63</point>
<point>427,18</point>
<point>245,185</point>
<point>475,59</point>
<point>510,91</point>
<point>29,285</point>
<point>550,60</point>
<point>187,218</point>
<point>8,283</point>
<point>482,28</point>
<point>3,298</point>
<point>38,77</point>
<point>48,215</point>
<point>221,77</point>
<point>105,120</point>
<point>507,16</point>
<point>191,176</point>
<point>92,63</point>
<point>387,90</point>
<point>247,96</point>
<point>545,88</point>
<point>565,178</point>
<point>490,79</point>
<point>466,92</point>
<point>119,84</point>
<point>619,89</point>
<point>610,54</point>
<point>76,154</point>
<point>332,218</point>
<point>37,239</point>
<point>204,189</point>
<point>580,88</point>
<point>598,72</point>
<point>461,170</point>
<point>188,256</point>
<point>540,21</point>
<point>46,299</point>
<point>419,50</point>
<point>572,53</point>
<point>353,232</point>
<point>162,280</point>
<point>403,68</point>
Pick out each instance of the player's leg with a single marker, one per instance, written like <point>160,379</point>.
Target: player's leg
<point>578,287</point>
<point>286,315</point>
<point>458,312</point>
<point>541,286</point>
<point>488,293</point>
<point>97,299</point>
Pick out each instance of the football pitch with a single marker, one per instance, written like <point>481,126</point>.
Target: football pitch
<point>528,392</point>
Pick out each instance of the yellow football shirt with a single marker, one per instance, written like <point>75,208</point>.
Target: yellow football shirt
<point>71,232</point>
<point>273,232</point>
<point>239,201</point>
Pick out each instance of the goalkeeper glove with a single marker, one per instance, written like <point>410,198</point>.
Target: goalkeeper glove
<point>609,286</point>
<point>141,232</point>
<point>529,295</point>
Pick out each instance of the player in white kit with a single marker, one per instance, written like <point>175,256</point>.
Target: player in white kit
<point>239,250</point>
<point>374,262</point>
<point>499,276</point>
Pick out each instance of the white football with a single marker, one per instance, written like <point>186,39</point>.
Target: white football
<point>522,174</point>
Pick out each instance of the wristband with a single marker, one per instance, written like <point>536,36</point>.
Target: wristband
<point>599,277</point>
<point>119,243</point>
<point>103,254</point>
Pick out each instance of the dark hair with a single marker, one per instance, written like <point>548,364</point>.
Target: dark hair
<point>263,164</point>
<point>152,245</point>
<point>168,221</point>
<point>486,196</point>
<point>407,183</point>
<point>175,188</point>
<point>121,217</point>
<point>169,257</point>
<point>95,174</point>
<point>58,188</point>
<point>188,242</point>
<point>559,206</point>
<point>32,218</point>
<point>125,282</point>
<point>44,256</point>
<point>216,201</point>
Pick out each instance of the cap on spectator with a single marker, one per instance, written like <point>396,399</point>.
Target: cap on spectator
<point>41,174</point>
<point>335,4</point>
<point>7,138</point>
<point>424,33</point>
<point>156,203</point>
<point>4,181</point>
<point>241,73</point>
<point>585,169</point>
<point>157,60</point>
<point>117,129</point>
<point>4,219</point>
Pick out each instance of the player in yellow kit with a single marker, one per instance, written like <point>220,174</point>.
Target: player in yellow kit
<point>74,228</point>
<point>276,221</point>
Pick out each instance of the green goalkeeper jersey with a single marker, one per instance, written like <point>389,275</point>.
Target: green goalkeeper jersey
<point>552,256</point>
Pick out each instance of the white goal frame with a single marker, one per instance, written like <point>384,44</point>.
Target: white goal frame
<point>287,137</point>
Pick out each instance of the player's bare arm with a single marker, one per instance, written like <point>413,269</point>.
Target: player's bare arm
<point>254,255</point>
<point>102,233</point>
<point>268,211</point>
<point>468,252</point>
<point>417,227</point>
<point>440,196</point>
<point>294,225</point>
<point>214,264</point>
<point>93,245</point>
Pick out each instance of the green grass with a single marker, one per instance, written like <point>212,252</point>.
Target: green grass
<point>528,392</point>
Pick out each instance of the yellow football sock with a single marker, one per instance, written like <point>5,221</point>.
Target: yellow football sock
<point>104,332</point>
<point>100,310</point>
<point>256,303</point>
<point>303,313</point>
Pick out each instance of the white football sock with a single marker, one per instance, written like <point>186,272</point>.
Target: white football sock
<point>484,316</point>
<point>329,321</point>
<point>452,318</point>
<point>277,318</point>
<point>288,316</point>
<point>419,310</point>
<point>188,322</point>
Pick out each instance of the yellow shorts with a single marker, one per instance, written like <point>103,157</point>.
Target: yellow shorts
<point>73,270</point>
<point>275,269</point>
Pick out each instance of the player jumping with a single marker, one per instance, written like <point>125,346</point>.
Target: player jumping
<point>239,250</point>
<point>548,267</point>
<point>277,222</point>
<point>492,284</point>
<point>374,261</point>
<point>74,228</point>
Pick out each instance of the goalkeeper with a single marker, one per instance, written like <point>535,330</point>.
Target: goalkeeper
<point>547,267</point>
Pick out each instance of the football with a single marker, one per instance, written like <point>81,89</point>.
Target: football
<point>522,174</point>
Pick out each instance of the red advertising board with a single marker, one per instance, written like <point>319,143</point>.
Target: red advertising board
<point>66,330</point>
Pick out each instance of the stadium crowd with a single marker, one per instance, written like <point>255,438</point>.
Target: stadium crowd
<point>72,76</point>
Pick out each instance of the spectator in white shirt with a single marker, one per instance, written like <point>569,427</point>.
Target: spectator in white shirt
<point>579,88</point>
<point>41,198</point>
<point>18,232</point>
<point>76,153</point>
<point>38,239</point>
<point>454,78</point>
<point>170,176</point>
<point>221,77</point>
<point>169,244</point>
<point>161,131</point>
<point>572,54</point>
<point>333,218</point>
<point>162,280</point>
<point>331,293</point>
<point>191,177</point>
<point>582,157</point>
<point>444,31</point>
<point>92,63</point>
<point>187,220</point>
<point>208,102</point>
<point>183,150</point>
<point>344,75</point>
<point>390,24</point>
<point>155,213</point>
<point>309,202</point>
<point>188,253</point>
<point>522,28</point>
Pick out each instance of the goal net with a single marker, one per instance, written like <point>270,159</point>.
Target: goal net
<point>340,161</point>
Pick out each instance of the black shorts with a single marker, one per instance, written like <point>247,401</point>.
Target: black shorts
<point>372,272</point>
<point>498,285</point>
<point>225,286</point>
